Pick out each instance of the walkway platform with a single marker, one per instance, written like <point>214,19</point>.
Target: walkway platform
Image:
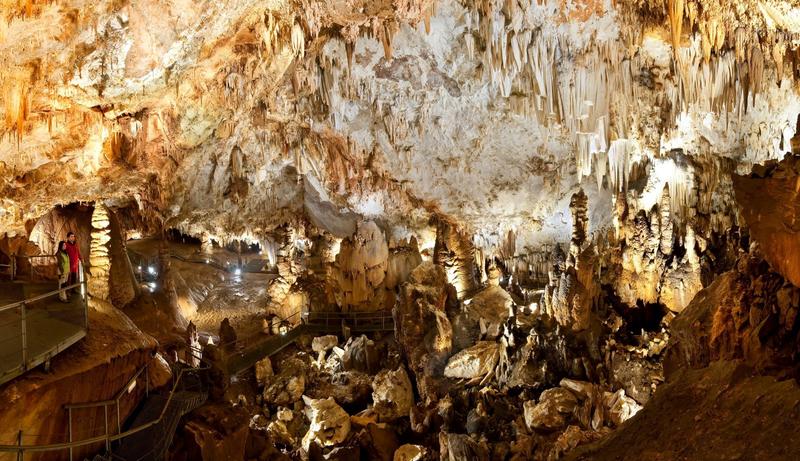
<point>50,326</point>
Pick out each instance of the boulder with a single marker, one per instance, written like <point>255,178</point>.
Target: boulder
<point>460,447</point>
<point>476,361</point>
<point>409,452</point>
<point>285,390</point>
<point>264,371</point>
<point>360,354</point>
<point>324,343</point>
<point>379,442</point>
<point>329,423</point>
<point>620,407</point>
<point>392,394</point>
<point>288,386</point>
<point>551,411</point>
<point>581,389</point>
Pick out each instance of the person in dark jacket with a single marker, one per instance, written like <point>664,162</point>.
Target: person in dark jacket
<point>74,253</point>
<point>62,261</point>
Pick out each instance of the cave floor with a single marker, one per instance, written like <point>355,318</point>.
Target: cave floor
<point>51,326</point>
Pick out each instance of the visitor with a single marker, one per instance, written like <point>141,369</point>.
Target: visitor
<point>74,253</point>
<point>62,261</point>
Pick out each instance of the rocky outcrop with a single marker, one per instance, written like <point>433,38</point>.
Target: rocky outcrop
<point>422,327</point>
<point>213,432</point>
<point>758,411</point>
<point>749,313</point>
<point>288,385</point>
<point>289,269</point>
<point>651,271</point>
<point>322,344</point>
<point>768,199</point>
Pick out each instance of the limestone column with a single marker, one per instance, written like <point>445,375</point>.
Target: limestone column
<point>99,261</point>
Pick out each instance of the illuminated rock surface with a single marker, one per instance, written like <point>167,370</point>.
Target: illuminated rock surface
<point>579,218</point>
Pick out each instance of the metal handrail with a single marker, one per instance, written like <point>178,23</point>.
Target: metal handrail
<point>207,260</point>
<point>108,438</point>
<point>120,394</point>
<point>40,297</point>
<point>228,345</point>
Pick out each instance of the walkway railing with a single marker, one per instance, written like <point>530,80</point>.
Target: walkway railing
<point>107,437</point>
<point>111,403</point>
<point>142,263</point>
<point>35,329</point>
<point>12,268</point>
<point>244,353</point>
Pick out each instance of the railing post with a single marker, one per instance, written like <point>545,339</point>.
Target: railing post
<point>119,428</point>
<point>24,338</point>
<point>105,423</point>
<point>69,416</point>
<point>20,453</point>
<point>84,288</point>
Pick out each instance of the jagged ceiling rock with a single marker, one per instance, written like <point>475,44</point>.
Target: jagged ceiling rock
<point>490,112</point>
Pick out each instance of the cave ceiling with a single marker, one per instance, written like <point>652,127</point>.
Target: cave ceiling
<point>219,116</point>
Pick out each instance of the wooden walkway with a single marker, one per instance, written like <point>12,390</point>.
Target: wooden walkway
<point>312,323</point>
<point>49,327</point>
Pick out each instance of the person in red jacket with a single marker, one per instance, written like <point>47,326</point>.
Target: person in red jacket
<point>74,253</point>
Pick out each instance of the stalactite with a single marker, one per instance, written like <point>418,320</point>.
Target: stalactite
<point>675,10</point>
<point>16,103</point>
<point>778,52</point>
<point>298,41</point>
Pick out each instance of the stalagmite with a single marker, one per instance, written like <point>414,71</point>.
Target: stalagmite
<point>665,223</point>
<point>99,259</point>
<point>455,252</point>
<point>206,245</point>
